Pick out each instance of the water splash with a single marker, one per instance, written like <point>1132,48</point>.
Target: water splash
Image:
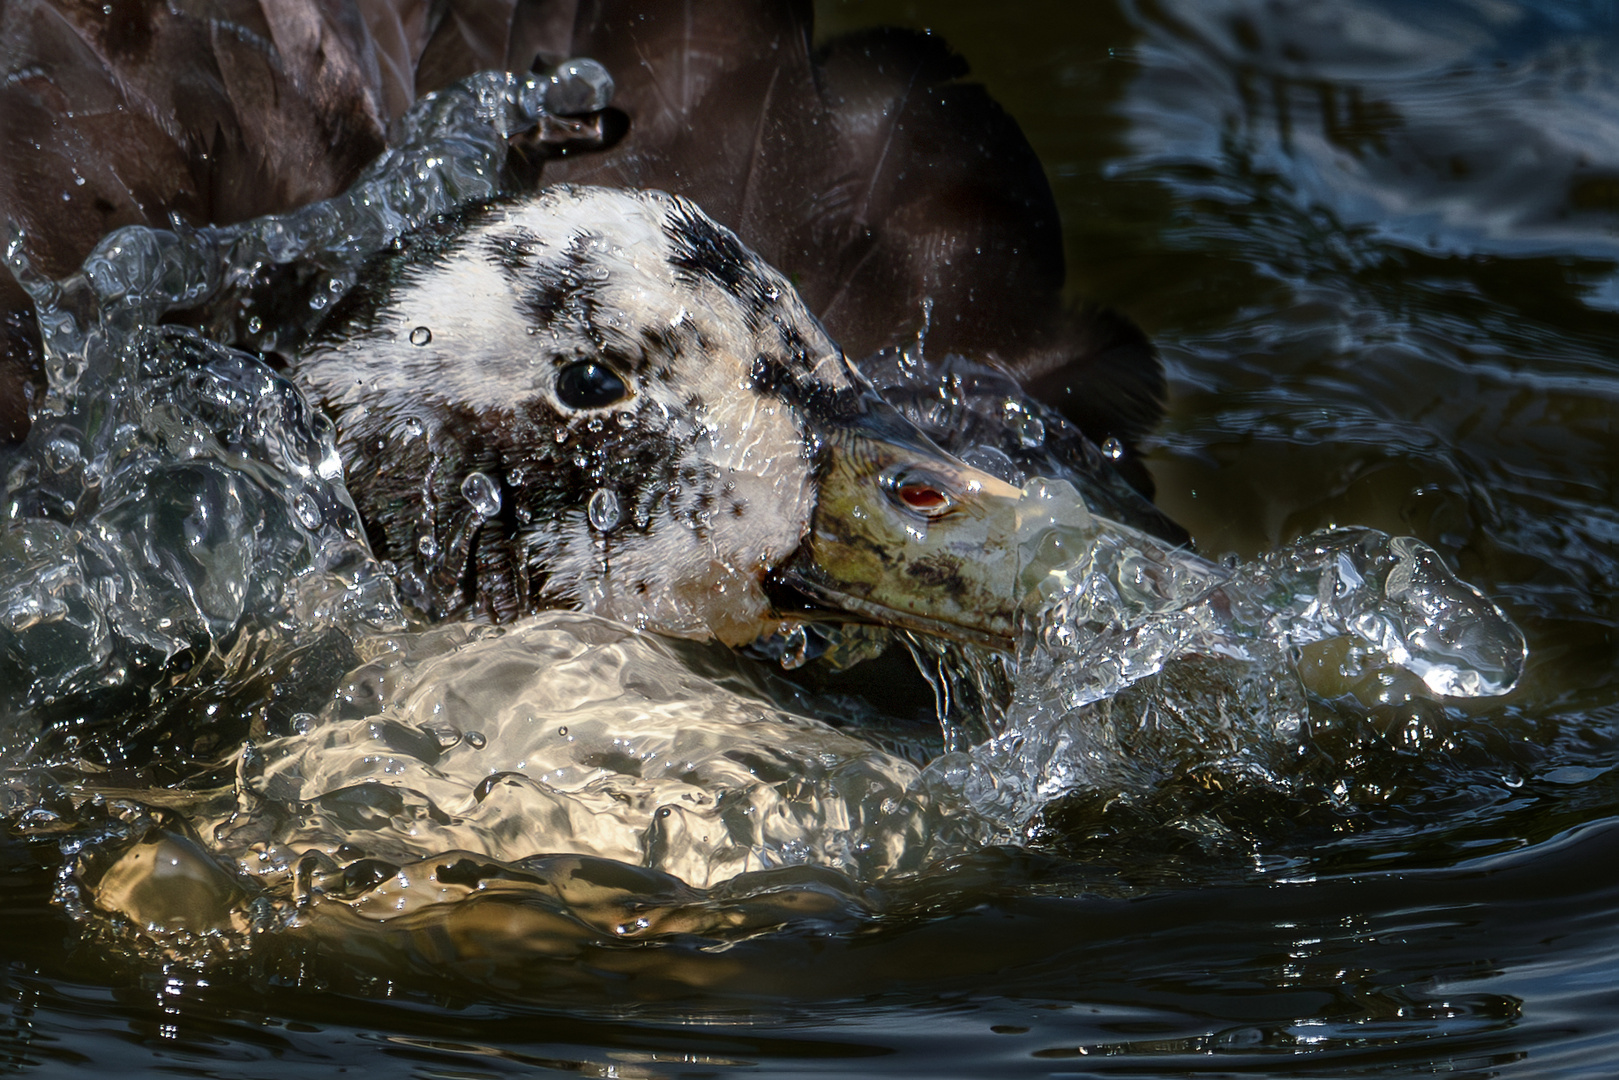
<point>203,505</point>
<point>1109,608</point>
<point>179,541</point>
<point>591,739</point>
<point>175,500</point>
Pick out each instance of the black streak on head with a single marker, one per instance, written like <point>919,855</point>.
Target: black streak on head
<point>564,289</point>
<point>939,571</point>
<point>703,249</point>
<point>819,402</point>
<point>512,251</point>
<point>417,254</point>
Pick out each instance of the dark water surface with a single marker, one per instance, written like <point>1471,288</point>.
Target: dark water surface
<point>1378,244</point>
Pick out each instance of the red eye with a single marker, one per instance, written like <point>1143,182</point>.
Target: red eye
<point>922,497</point>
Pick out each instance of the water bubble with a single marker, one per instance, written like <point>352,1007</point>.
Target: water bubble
<point>307,510</point>
<point>62,454</point>
<point>1113,448</point>
<point>427,546</point>
<point>795,649</point>
<point>421,336</point>
<point>483,493</point>
<point>577,87</point>
<point>446,734</point>
<point>1030,429</point>
<point>604,510</point>
<point>412,584</point>
<point>411,428</point>
<point>476,740</point>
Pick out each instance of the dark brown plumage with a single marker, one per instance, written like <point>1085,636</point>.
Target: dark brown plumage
<point>869,170</point>
<point>878,180</point>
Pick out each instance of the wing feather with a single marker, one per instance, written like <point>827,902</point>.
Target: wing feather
<point>897,196</point>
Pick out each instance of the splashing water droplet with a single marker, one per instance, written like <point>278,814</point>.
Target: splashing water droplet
<point>795,650</point>
<point>421,336</point>
<point>62,454</point>
<point>1030,429</point>
<point>308,511</point>
<point>1113,448</point>
<point>446,734</point>
<point>604,510</point>
<point>1123,629</point>
<point>483,493</point>
<point>412,428</point>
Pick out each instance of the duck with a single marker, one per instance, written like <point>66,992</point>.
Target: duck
<point>599,399</point>
<point>628,391</point>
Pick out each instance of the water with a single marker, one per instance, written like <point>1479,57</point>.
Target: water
<point>1427,887</point>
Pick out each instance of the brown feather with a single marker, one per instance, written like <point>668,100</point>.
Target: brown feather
<point>898,198</point>
<point>869,171</point>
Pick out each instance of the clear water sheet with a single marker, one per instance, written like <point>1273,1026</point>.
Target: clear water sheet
<point>176,495</point>
<point>178,515</point>
<point>568,733</point>
<point>1109,607</point>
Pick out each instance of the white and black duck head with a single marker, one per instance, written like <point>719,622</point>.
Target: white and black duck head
<point>600,399</point>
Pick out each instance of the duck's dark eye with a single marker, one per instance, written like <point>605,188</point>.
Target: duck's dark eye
<point>589,385</point>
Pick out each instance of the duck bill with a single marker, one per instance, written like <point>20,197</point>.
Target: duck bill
<point>905,535</point>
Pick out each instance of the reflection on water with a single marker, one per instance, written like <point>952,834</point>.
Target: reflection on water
<point>1360,331</point>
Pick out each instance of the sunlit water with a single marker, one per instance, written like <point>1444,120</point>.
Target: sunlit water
<point>1206,737</point>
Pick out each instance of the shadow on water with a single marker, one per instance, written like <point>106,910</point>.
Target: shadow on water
<point>1379,250</point>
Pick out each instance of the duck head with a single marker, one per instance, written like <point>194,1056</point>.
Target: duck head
<point>600,399</point>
